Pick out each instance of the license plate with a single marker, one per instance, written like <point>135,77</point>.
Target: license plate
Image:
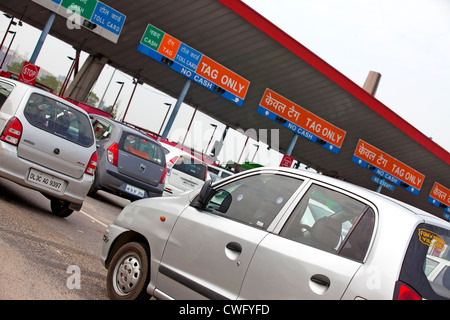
<point>45,180</point>
<point>136,191</point>
<point>189,183</point>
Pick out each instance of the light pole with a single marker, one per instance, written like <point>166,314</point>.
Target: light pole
<point>67,78</point>
<point>117,97</point>
<point>170,105</point>
<point>7,50</point>
<point>210,139</point>
<point>12,22</point>
<point>136,81</point>
<point>257,148</point>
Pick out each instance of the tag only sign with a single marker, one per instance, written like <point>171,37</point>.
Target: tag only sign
<point>388,167</point>
<point>301,121</point>
<point>193,64</point>
<point>440,197</point>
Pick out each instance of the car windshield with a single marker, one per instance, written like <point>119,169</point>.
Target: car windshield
<point>59,119</point>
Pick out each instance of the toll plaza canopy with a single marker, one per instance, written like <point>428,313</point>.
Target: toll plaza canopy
<point>231,34</point>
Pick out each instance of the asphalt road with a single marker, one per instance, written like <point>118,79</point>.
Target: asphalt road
<point>46,257</point>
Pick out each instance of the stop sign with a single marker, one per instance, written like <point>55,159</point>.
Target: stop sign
<point>286,161</point>
<point>29,73</point>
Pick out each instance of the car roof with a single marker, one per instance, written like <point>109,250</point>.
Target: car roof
<point>26,87</point>
<point>370,195</point>
<point>125,127</point>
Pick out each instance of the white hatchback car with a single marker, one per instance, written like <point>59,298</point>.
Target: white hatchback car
<point>276,233</point>
<point>184,172</point>
<point>46,144</point>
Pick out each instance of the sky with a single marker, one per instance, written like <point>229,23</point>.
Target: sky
<point>406,41</point>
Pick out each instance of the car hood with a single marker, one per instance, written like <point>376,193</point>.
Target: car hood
<point>137,214</point>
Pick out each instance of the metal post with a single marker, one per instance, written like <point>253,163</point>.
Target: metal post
<point>176,109</point>
<point>189,126</point>
<point>41,40</point>
<point>7,50</point>
<point>292,144</point>
<point>136,82</point>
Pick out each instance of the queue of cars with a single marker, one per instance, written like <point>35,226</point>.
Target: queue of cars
<point>267,233</point>
<point>50,145</point>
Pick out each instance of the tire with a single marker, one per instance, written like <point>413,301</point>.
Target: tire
<point>129,273</point>
<point>60,208</point>
<point>93,189</point>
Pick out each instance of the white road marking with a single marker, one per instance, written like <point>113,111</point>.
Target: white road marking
<point>95,219</point>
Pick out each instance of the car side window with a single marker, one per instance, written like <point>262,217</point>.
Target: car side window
<point>331,221</point>
<point>254,200</point>
<point>102,129</point>
<point>5,90</point>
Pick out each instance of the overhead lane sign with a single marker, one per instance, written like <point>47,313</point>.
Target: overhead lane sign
<point>191,63</point>
<point>440,197</point>
<point>91,14</point>
<point>388,167</point>
<point>301,121</point>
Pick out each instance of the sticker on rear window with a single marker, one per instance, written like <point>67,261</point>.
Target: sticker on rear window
<point>431,239</point>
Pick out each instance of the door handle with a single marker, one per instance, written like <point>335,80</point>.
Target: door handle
<point>234,246</point>
<point>321,280</point>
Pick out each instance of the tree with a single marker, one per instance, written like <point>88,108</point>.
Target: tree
<point>15,66</point>
<point>92,99</point>
<point>51,82</point>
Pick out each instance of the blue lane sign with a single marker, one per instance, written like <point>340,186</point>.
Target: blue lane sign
<point>108,18</point>
<point>188,57</point>
<point>383,183</point>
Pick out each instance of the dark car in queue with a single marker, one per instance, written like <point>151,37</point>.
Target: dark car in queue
<point>130,163</point>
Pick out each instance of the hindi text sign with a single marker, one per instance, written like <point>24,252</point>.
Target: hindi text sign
<point>301,121</point>
<point>388,167</point>
<point>440,197</point>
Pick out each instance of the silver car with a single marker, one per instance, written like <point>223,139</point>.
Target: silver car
<point>276,233</point>
<point>46,144</point>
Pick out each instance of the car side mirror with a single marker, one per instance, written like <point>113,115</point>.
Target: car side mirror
<point>205,192</point>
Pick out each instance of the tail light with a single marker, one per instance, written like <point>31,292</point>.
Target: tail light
<point>113,154</point>
<point>12,131</point>
<point>163,177</point>
<point>404,292</point>
<point>90,169</point>
<point>173,161</point>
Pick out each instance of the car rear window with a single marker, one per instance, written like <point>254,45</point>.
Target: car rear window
<point>426,265</point>
<point>143,148</point>
<point>191,167</point>
<point>59,119</point>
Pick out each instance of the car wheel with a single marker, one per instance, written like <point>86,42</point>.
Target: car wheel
<point>129,273</point>
<point>60,208</point>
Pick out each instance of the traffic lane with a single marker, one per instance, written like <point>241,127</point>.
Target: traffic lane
<point>47,257</point>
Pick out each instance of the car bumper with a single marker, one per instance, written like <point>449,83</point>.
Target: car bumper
<point>109,237</point>
<point>17,170</point>
<point>118,183</point>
